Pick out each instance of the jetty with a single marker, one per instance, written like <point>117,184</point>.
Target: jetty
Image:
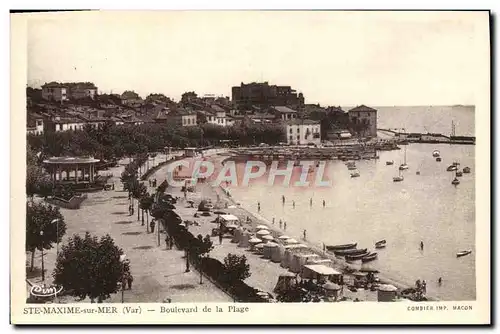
<point>429,138</point>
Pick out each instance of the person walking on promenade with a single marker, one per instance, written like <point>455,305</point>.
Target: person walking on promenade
<point>152,225</point>
<point>281,223</point>
<point>284,226</point>
<point>130,279</point>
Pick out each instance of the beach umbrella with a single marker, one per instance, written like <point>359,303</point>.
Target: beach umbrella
<point>331,286</point>
<point>291,241</point>
<point>219,212</point>
<point>254,241</point>
<point>284,237</point>
<point>267,237</point>
<point>263,232</point>
<point>259,246</point>
<point>262,227</point>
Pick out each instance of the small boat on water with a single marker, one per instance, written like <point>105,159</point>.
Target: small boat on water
<point>350,252</point>
<point>356,257</point>
<point>455,182</point>
<point>464,253</point>
<point>388,163</point>
<point>398,178</point>
<point>381,244</point>
<point>341,247</point>
<point>452,168</point>
<point>418,173</point>
<point>438,159</point>
<point>355,174</point>
<point>436,154</point>
<point>466,170</point>
<point>352,167</point>
<point>369,257</point>
<point>458,173</point>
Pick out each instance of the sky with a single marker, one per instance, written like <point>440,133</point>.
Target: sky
<point>333,58</point>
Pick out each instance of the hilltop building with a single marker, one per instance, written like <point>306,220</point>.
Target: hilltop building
<point>264,95</point>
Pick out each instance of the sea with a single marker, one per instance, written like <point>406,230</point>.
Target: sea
<point>423,208</point>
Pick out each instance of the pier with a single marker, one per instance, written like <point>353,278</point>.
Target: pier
<point>429,138</point>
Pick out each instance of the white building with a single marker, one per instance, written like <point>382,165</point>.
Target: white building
<point>365,120</point>
<point>54,91</point>
<point>303,132</point>
<point>35,124</point>
<point>68,123</point>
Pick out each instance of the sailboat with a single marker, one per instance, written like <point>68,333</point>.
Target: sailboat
<point>404,166</point>
<point>398,178</point>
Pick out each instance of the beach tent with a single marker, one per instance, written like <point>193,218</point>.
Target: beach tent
<point>277,254</point>
<point>262,227</point>
<point>286,282</point>
<point>244,240</point>
<point>386,293</point>
<point>316,271</point>
<point>259,248</point>
<point>237,235</point>
<point>268,249</point>
<point>298,260</point>
<point>229,219</point>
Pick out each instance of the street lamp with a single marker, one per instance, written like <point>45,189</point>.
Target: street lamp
<point>122,260</point>
<point>43,266</point>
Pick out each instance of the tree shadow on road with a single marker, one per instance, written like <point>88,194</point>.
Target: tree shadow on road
<point>182,286</point>
<point>133,233</point>
<point>124,222</point>
<point>143,247</point>
<point>119,197</point>
<point>118,213</point>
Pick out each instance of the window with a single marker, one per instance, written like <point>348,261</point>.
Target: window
<point>291,130</point>
<point>291,138</point>
<point>298,137</point>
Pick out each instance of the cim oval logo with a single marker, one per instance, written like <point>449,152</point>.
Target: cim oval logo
<point>45,291</point>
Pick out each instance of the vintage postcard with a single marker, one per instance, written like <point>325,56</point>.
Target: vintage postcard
<point>250,167</point>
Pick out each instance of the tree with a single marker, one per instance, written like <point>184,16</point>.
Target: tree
<point>200,249</point>
<point>89,267</point>
<point>138,191</point>
<point>237,267</point>
<point>43,218</point>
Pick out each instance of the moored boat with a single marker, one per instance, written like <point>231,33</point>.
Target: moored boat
<point>452,168</point>
<point>455,181</point>
<point>341,247</point>
<point>355,174</point>
<point>466,170</point>
<point>435,154</point>
<point>463,253</point>
<point>458,173</point>
<point>388,163</point>
<point>369,257</point>
<point>350,252</point>
<point>380,244</point>
<point>356,257</point>
<point>438,159</point>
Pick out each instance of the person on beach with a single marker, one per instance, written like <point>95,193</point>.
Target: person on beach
<point>311,202</point>
<point>421,245</point>
<point>324,203</point>
<point>281,223</point>
<point>284,226</point>
<point>283,199</point>
<point>440,281</point>
<point>258,207</point>
<point>324,247</point>
<point>273,220</point>
<point>304,234</point>
<point>293,203</point>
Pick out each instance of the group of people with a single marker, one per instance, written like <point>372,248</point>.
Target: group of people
<point>281,223</point>
<point>152,183</point>
<point>283,200</point>
<point>127,277</point>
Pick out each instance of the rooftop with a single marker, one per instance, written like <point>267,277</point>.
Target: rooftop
<point>362,108</point>
<point>283,109</point>
<point>301,122</point>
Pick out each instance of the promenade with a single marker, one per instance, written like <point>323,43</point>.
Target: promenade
<point>159,274</point>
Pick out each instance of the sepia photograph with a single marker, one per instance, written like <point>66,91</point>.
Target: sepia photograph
<point>308,159</point>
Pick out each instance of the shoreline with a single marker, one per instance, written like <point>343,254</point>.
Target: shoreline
<point>316,248</point>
